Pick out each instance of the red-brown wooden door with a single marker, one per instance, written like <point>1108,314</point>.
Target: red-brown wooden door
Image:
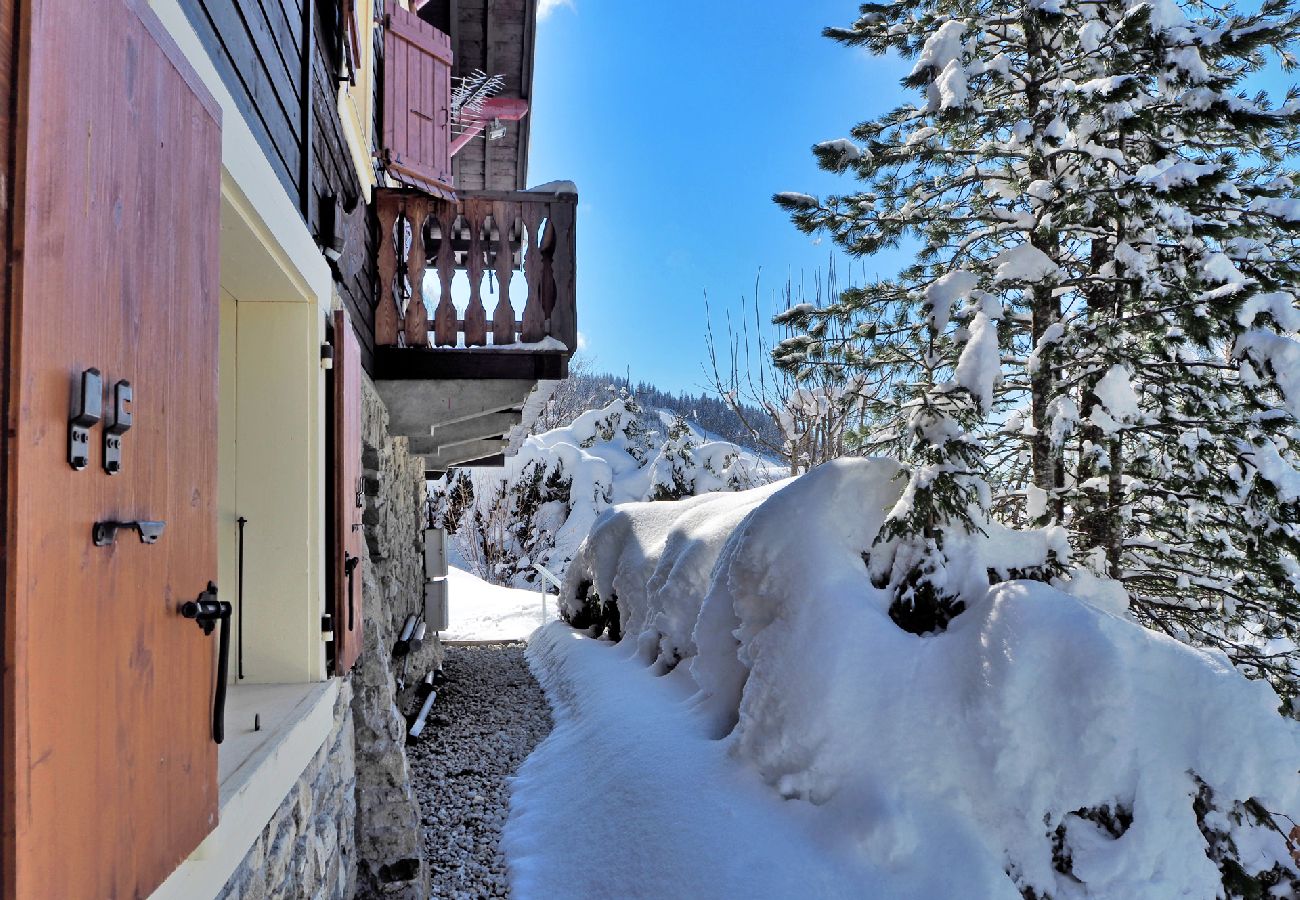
<point>346,496</point>
<point>109,765</point>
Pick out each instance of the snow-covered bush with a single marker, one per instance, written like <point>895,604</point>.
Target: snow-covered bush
<point>541,504</point>
<point>1046,743</point>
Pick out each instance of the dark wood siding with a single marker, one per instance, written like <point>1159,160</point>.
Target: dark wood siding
<point>256,46</point>
<point>335,181</point>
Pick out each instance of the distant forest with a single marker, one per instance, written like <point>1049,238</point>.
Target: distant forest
<point>708,413</point>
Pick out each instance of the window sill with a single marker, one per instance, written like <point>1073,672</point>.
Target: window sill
<point>255,771</point>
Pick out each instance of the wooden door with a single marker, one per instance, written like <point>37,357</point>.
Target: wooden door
<point>109,764</point>
<point>345,496</point>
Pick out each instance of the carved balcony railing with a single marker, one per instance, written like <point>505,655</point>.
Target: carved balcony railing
<point>523,242</point>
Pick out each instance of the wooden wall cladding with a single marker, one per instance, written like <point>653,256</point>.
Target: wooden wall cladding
<point>109,764</point>
<point>256,46</point>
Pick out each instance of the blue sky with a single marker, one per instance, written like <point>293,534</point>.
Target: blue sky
<point>678,121</point>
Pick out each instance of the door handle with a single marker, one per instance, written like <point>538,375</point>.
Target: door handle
<point>207,611</point>
<point>105,533</point>
<point>350,564</point>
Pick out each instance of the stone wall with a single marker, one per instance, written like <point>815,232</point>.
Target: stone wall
<point>308,849</point>
<point>389,841</point>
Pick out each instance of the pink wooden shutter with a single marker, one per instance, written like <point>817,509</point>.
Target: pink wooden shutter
<point>417,101</point>
<point>347,540</point>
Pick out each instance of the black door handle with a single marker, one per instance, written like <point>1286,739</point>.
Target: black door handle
<point>350,564</point>
<point>206,610</point>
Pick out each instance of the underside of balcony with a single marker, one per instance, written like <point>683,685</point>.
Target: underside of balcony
<point>463,421</point>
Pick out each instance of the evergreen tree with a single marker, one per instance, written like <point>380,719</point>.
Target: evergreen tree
<point>1101,296</point>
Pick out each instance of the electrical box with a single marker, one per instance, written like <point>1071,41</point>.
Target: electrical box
<point>435,604</point>
<point>435,553</point>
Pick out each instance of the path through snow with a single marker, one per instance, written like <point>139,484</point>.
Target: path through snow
<point>488,716</point>
<point>629,798</point>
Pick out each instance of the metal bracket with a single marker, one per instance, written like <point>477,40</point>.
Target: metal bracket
<point>87,408</point>
<point>118,425</point>
<point>104,534</point>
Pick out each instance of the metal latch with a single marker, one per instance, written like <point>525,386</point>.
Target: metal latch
<point>116,426</point>
<point>87,408</point>
<point>208,611</point>
<point>105,533</point>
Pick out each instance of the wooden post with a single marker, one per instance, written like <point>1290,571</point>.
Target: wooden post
<point>564,315</point>
<point>444,317</point>
<point>503,317</point>
<point>476,315</point>
<point>417,317</point>
<point>386,320</point>
<point>534,321</point>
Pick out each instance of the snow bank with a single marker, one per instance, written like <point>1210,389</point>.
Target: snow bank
<point>1045,733</point>
<point>479,611</point>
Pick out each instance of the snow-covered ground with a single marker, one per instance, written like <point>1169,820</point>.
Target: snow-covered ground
<point>629,797</point>
<point>479,611</point>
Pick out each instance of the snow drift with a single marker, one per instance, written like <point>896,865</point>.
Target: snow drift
<point>1047,735</point>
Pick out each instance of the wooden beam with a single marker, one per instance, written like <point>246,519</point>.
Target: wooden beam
<point>420,364</point>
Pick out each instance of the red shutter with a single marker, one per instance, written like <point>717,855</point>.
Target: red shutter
<point>108,760</point>
<point>417,101</point>
<point>346,495</point>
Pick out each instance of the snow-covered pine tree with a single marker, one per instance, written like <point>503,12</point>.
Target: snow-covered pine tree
<point>1087,174</point>
<point>960,175</point>
<point>672,474</point>
<point>1192,253</point>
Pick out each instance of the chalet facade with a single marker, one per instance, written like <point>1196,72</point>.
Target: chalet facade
<point>270,264</point>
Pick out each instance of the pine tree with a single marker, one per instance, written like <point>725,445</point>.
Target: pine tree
<point>1087,179</point>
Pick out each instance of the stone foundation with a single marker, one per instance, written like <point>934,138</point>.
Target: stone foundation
<point>388,815</point>
<point>308,849</point>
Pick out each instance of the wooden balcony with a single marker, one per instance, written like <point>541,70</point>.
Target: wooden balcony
<point>517,250</point>
<point>475,309</point>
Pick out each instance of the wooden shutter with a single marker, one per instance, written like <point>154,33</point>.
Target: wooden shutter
<point>346,496</point>
<point>109,766</point>
<point>417,101</point>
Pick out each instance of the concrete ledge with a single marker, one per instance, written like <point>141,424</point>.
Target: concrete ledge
<point>257,771</point>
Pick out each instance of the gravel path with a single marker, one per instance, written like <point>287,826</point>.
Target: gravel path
<point>488,716</point>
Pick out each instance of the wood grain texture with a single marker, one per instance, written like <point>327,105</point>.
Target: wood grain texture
<point>475,313</point>
<point>503,316</point>
<point>534,322</point>
<point>445,325</point>
<point>347,539</point>
<point>113,770</point>
<point>417,98</point>
<point>10,195</point>
<point>387,207</point>
<point>255,46</point>
<point>564,310</point>
<point>416,322</point>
